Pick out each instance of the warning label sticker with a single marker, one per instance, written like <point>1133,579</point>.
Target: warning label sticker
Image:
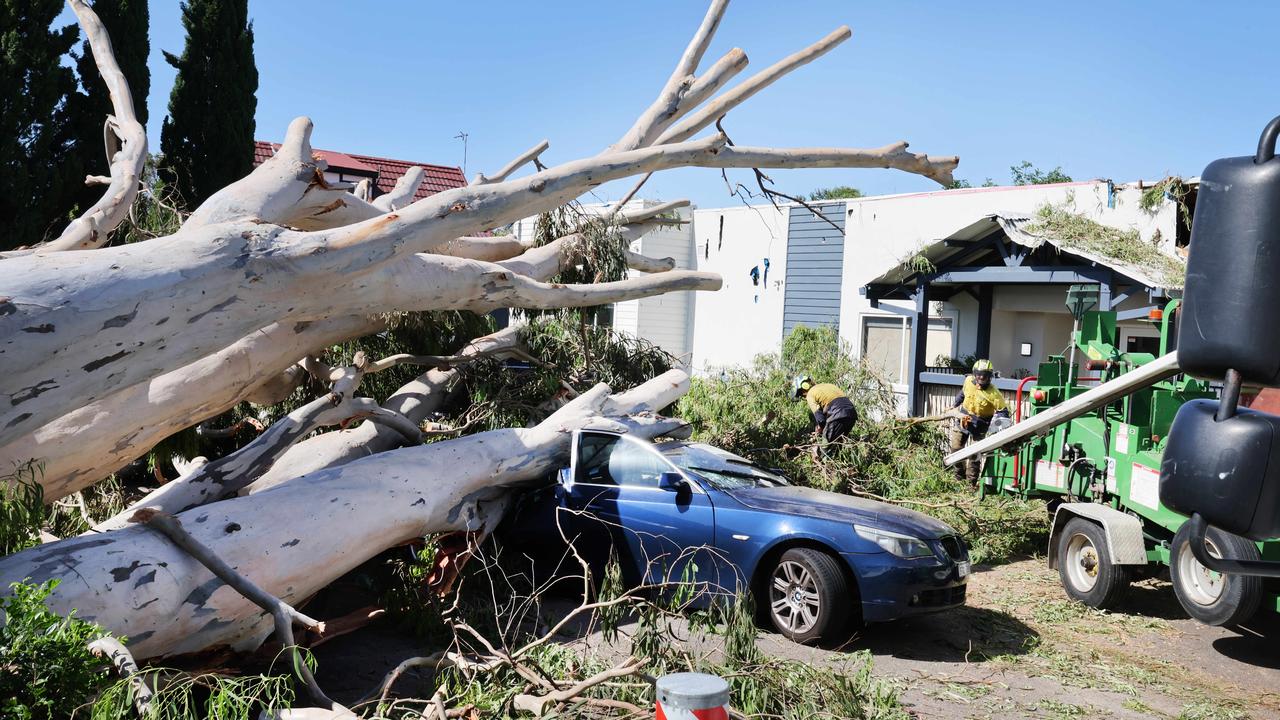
<point>1144,486</point>
<point>1048,474</point>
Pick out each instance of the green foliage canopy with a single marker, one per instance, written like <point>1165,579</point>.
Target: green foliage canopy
<point>839,192</point>
<point>41,173</point>
<point>1028,174</point>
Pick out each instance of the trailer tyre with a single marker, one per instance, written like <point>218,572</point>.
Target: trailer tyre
<point>1211,597</point>
<point>1085,567</point>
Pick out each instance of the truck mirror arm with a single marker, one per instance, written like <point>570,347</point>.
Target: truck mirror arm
<point>1198,527</point>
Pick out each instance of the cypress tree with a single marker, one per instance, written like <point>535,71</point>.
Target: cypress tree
<point>128,23</point>
<point>207,138</point>
<point>40,172</point>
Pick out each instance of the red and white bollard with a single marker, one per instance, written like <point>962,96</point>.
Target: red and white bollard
<point>692,696</point>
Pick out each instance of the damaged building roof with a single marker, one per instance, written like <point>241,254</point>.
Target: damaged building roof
<point>1122,251</point>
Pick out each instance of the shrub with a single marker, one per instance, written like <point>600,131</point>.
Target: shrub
<point>22,511</point>
<point>46,668</point>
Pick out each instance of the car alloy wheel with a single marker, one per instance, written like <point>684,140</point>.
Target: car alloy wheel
<point>793,598</point>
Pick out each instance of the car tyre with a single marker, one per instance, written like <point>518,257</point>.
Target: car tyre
<point>807,596</point>
<point>1085,567</point>
<point>1214,598</point>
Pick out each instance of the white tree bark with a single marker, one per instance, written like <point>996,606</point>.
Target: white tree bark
<point>134,582</point>
<point>415,400</point>
<point>403,191</point>
<point>126,142</point>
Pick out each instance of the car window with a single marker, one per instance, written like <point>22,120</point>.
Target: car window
<point>747,477</point>
<point>613,460</point>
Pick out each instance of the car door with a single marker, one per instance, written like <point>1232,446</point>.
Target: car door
<point>657,532</point>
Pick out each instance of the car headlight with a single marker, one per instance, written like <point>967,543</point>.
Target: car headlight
<point>904,546</point>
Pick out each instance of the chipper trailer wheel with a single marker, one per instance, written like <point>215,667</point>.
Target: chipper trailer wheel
<point>1211,597</point>
<point>1084,564</point>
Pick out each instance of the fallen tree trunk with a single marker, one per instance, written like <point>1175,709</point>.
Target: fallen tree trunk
<point>297,538</point>
<point>104,435</point>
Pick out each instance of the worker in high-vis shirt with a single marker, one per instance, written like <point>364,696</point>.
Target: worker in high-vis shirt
<point>979,401</point>
<point>833,412</point>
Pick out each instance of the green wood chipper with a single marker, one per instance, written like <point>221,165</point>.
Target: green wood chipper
<point>1091,443</point>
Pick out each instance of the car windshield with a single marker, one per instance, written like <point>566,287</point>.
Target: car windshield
<point>747,476</point>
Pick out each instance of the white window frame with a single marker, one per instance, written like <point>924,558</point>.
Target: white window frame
<point>951,315</point>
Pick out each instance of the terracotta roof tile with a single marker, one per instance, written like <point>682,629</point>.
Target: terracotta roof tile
<point>438,178</point>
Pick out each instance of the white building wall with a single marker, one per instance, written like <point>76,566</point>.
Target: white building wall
<point>742,320</point>
<point>664,320</point>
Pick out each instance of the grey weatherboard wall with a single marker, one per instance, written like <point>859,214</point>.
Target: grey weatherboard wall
<point>815,261</point>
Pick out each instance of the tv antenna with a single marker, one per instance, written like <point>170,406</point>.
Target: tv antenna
<point>463,137</point>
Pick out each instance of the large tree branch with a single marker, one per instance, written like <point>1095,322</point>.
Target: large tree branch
<point>281,612</point>
<point>664,108</point>
<point>104,435</point>
<point>489,249</point>
<point>528,156</point>
<point>91,441</point>
<point>289,189</point>
<point>717,108</point>
<point>126,142</point>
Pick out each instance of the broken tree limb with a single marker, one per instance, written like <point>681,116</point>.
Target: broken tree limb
<point>528,156</point>
<point>226,476</point>
<point>92,441</point>
<point>743,91</point>
<point>102,436</point>
<point>537,704</point>
<point>136,584</point>
<point>127,668</point>
<point>649,213</point>
<point>281,612</point>
<point>644,263</point>
<point>664,109</point>
<point>402,193</point>
<point>489,249</point>
<point>415,400</point>
<point>126,146</point>
<point>223,281</point>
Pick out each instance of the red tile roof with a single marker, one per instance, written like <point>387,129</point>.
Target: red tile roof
<point>439,177</point>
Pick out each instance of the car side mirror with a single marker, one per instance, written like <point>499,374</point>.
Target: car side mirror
<point>671,481</point>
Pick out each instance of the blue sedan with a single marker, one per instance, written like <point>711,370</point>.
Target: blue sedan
<point>818,562</point>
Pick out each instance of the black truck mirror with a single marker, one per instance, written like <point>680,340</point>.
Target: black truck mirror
<point>1232,291</point>
<point>1221,466</point>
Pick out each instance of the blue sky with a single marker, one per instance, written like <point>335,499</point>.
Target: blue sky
<point>1113,90</point>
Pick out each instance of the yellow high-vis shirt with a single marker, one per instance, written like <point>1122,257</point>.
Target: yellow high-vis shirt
<point>982,402</point>
<point>820,396</point>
